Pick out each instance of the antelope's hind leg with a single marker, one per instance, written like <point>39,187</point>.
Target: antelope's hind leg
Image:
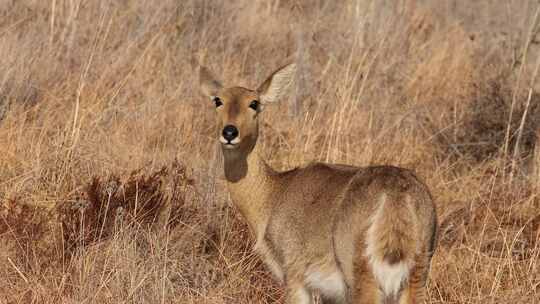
<point>414,290</point>
<point>365,289</point>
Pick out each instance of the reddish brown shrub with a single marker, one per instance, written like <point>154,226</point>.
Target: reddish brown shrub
<point>110,204</point>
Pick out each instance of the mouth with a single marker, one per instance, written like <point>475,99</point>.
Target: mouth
<point>227,144</point>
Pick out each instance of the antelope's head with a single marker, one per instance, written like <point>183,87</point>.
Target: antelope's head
<point>238,108</point>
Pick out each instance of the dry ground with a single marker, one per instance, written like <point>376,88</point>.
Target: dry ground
<point>111,188</point>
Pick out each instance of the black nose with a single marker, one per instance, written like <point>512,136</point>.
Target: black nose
<point>230,132</point>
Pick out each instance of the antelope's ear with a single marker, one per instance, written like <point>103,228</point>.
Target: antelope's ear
<point>273,88</point>
<point>209,85</point>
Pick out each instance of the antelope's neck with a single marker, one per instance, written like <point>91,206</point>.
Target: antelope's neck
<point>250,183</point>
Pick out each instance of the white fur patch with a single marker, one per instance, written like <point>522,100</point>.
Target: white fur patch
<point>235,141</point>
<point>330,284</point>
<point>302,296</point>
<point>389,277</point>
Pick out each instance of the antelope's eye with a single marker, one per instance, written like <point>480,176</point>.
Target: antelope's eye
<point>217,101</point>
<point>254,105</point>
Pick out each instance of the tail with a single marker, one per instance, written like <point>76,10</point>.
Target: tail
<point>392,242</point>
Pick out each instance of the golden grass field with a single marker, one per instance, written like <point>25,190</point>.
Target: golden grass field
<point>111,182</point>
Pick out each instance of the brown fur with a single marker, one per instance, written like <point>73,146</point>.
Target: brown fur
<point>317,223</point>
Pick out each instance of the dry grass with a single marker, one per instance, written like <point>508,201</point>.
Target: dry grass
<point>111,188</point>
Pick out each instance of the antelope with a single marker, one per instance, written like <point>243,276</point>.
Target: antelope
<point>354,234</point>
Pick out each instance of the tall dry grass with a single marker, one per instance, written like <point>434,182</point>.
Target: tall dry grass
<point>111,187</point>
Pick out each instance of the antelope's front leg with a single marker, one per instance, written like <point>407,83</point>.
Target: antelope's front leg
<point>298,294</point>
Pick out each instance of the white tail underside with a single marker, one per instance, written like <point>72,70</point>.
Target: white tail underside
<point>390,277</point>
